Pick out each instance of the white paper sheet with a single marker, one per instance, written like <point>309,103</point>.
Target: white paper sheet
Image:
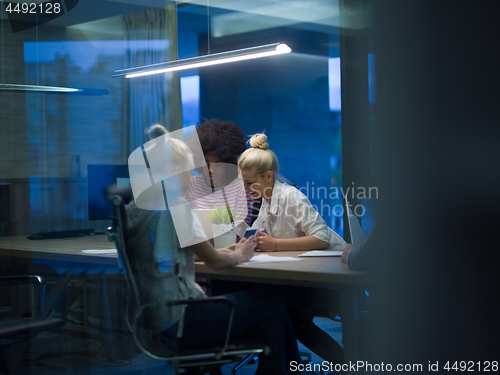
<point>264,258</point>
<point>322,253</point>
<point>99,252</point>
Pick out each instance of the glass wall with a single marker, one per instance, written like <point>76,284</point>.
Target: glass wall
<point>51,138</point>
<point>50,142</point>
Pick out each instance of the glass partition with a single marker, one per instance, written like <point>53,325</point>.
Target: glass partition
<point>51,140</point>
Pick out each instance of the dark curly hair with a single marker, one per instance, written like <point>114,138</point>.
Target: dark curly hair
<point>223,139</point>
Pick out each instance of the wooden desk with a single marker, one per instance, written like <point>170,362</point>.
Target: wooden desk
<point>58,249</point>
<point>309,272</point>
<point>314,272</point>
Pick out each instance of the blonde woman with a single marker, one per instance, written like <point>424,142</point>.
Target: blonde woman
<point>288,218</point>
<point>290,222</point>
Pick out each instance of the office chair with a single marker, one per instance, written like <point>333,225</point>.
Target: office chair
<point>17,328</point>
<point>162,347</point>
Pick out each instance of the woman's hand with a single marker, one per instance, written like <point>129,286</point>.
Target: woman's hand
<point>227,249</point>
<point>218,259</point>
<point>246,248</point>
<point>265,242</point>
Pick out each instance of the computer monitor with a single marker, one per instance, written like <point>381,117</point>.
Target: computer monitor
<point>104,180</point>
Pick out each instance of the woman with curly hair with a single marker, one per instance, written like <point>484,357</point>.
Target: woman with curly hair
<point>222,142</point>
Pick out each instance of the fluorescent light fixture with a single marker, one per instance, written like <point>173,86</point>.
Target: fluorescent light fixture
<point>12,87</point>
<point>35,88</point>
<point>206,60</point>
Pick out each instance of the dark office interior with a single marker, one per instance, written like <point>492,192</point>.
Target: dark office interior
<point>397,95</point>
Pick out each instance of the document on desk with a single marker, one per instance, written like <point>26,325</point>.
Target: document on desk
<point>264,258</point>
<point>100,251</point>
<point>322,253</point>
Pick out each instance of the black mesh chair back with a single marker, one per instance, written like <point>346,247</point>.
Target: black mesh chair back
<point>163,346</point>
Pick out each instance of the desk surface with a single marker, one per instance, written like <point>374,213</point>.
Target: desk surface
<point>311,271</point>
<point>68,248</point>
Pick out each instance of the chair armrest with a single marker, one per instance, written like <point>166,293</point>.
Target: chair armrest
<point>220,299</point>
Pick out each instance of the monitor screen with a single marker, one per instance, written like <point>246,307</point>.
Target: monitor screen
<point>104,180</point>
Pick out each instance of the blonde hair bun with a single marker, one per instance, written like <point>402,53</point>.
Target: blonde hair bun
<point>259,141</point>
<point>155,131</point>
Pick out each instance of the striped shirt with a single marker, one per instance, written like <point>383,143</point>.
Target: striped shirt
<point>240,203</point>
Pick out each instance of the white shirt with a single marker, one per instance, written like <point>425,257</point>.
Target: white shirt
<point>291,215</point>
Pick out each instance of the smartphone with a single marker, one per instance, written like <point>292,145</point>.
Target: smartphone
<point>250,232</point>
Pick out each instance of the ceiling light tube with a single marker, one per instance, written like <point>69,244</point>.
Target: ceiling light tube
<point>13,87</point>
<point>206,60</point>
